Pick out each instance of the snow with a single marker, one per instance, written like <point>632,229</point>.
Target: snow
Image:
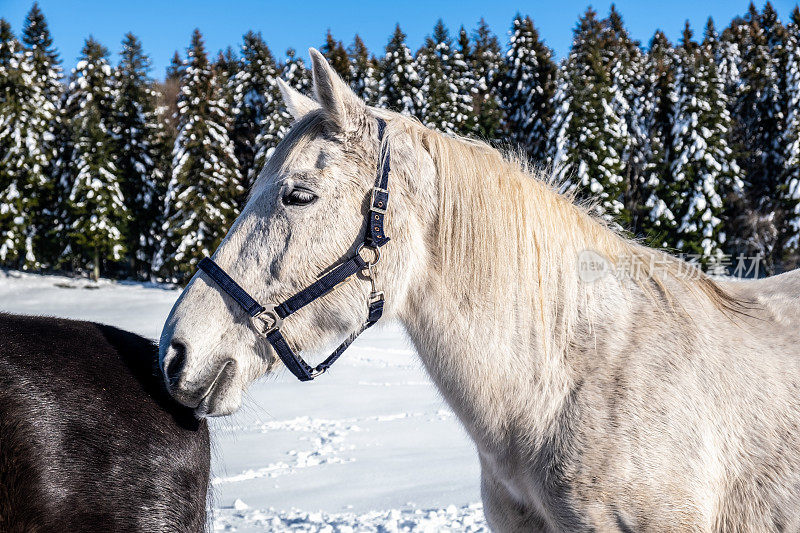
<point>370,446</point>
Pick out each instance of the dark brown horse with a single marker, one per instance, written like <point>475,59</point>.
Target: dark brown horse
<point>89,439</point>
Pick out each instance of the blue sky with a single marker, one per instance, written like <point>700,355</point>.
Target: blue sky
<point>166,25</point>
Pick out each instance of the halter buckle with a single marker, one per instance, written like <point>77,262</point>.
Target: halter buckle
<point>268,321</point>
<point>376,204</point>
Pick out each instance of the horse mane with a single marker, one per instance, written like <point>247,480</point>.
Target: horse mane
<point>499,219</point>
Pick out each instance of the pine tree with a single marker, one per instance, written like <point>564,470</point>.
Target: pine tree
<point>657,220</point>
<point>703,166</point>
<point>170,90</point>
<point>15,84</point>
<point>165,142</point>
<point>587,139</point>
<point>48,76</point>
<point>399,81</point>
<point>257,102</point>
<point>225,68</point>
<point>727,56</point>
<point>176,67</point>
<point>759,111</point>
<point>37,39</point>
<point>205,182</point>
<point>28,120</point>
<point>790,182</point>
<point>528,88</point>
<point>437,90</point>
<point>363,72</point>
<point>336,55</point>
<point>625,64</point>
<point>487,64</point>
<point>295,73</point>
<point>97,210</point>
<point>779,141</point>
<point>463,78</point>
<point>138,133</point>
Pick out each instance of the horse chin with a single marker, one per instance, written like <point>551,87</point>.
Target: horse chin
<point>216,404</point>
<point>222,398</point>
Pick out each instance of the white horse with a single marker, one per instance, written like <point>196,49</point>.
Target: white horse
<point>648,399</point>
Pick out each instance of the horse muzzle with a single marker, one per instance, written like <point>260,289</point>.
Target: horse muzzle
<point>206,392</point>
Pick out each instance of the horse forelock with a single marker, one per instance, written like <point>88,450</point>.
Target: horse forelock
<point>296,139</point>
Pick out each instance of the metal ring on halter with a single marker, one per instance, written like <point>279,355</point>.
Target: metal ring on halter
<point>316,372</point>
<point>374,249</point>
<point>270,321</point>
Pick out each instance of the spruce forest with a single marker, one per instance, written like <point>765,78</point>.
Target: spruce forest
<point>691,146</point>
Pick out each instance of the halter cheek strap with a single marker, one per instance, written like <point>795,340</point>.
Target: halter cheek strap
<point>267,320</point>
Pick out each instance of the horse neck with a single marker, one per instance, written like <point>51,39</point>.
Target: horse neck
<point>499,357</point>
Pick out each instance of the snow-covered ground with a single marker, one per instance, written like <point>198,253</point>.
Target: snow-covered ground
<point>370,446</point>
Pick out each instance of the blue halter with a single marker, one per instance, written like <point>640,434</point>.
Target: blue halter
<point>267,320</point>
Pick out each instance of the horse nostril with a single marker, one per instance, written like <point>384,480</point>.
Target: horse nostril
<point>176,360</point>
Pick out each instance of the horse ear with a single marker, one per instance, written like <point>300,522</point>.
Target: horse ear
<point>340,103</point>
<point>298,104</point>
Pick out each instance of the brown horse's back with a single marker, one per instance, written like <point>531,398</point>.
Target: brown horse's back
<point>89,439</point>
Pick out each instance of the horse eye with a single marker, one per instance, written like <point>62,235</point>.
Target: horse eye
<point>298,197</point>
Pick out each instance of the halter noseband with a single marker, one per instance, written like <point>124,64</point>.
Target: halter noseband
<point>267,320</point>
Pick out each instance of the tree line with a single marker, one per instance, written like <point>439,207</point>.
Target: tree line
<point>692,146</point>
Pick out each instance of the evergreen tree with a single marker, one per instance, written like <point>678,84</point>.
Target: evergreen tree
<point>779,142</point>
<point>657,220</point>
<point>463,78</point>
<point>790,187</point>
<point>97,210</point>
<point>15,82</point>
<point>487,65</point>
<point>175,68</point>
<point>225,68</point>
<point>363,72</point>
<point>138,133</point>
<point>587,139</point>
<point>625,64</point>
<point>257,102</point>
<point>170,91</point>
<point>703,167</point>
<point>759,111</point>
<point>437,90</point>
<point>165,142</point>
<point>727,56</point>
<point>336,55</point>
<point>48,76</point>
<point>528,88</point>
<point>29,118</point>
<point>205,183</point>
<point>295,73</point>
<point>399,82</point>
<point>46,65</point>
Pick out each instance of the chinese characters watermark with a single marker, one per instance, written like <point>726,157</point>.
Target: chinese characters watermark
<point>593,266</point>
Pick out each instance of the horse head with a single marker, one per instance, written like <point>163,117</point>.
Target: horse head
<point>306,213</point>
